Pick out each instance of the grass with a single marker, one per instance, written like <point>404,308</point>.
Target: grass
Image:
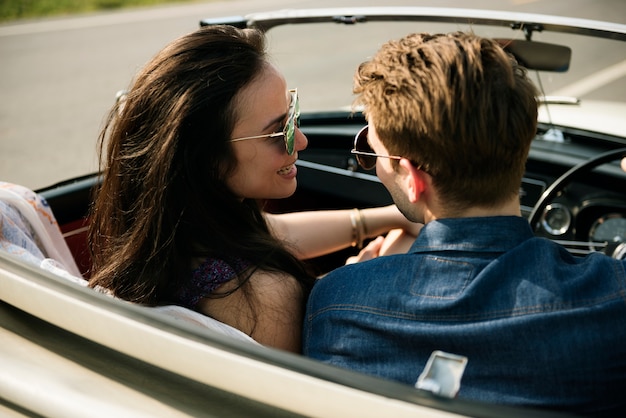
<point>26,9</point>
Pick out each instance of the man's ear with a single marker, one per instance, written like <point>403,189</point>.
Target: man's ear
<point>415,183</point>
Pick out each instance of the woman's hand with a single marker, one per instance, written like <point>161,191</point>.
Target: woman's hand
<point>397,241</point>
<point>371,250</point>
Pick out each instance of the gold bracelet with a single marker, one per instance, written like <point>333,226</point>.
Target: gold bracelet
<point>355,233</point>
<point>358,228</point>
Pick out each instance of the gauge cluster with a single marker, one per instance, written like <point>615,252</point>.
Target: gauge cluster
<point>579,187</point>
<point>594,223</point>
<point>610,228</point>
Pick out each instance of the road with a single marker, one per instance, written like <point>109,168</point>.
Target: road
<point>58,77</point>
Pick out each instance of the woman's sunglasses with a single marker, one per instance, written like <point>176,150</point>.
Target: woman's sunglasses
<point>364,153</point>
<point>289,131</point>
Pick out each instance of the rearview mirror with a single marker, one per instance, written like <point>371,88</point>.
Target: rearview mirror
<point>538,56</point>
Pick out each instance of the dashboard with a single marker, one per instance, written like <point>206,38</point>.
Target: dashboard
<point>588,214</point>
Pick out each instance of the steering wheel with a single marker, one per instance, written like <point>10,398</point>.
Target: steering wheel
<point>559,184</point>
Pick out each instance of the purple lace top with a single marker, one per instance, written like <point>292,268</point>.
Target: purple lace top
<point>210,275</point>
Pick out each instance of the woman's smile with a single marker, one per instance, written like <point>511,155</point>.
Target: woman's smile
<point>289,171</point>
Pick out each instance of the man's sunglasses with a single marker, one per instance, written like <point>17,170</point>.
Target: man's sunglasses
<point>364,153</point>
<point>289,131</point>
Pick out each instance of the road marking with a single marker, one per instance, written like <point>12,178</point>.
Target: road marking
<point>593,81</point>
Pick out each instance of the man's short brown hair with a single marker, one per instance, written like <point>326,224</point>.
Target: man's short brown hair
<point>456,104</point>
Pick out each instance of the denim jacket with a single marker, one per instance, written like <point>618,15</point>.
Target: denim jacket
<point>539,326</point>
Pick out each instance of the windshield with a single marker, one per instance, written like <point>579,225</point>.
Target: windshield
<point>323,74</point>
<point>59,77</point>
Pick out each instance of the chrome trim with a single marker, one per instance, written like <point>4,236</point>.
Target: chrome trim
<point>336,170</point>
<point>563,211</point>
<point>561,100</point>
<point>581,247</point>
<point>356,15</point>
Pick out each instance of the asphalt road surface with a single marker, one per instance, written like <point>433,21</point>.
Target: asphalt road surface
<point>58,77</point>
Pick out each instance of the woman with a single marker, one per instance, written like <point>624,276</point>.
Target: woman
<point>207,130</point>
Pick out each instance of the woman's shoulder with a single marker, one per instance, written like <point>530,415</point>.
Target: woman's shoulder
<point>276,282</point>
<point>268,308</point>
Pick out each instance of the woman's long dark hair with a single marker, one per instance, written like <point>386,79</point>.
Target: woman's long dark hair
<point>163,202</point>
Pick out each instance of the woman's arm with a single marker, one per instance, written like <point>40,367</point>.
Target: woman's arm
<point>316,233</point>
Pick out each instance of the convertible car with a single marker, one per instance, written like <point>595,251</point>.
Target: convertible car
<point>69,350</point>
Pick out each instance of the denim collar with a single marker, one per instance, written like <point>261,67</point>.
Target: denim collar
<point>480,234</point>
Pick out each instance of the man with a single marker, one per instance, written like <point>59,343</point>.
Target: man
<point>452,117</point>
